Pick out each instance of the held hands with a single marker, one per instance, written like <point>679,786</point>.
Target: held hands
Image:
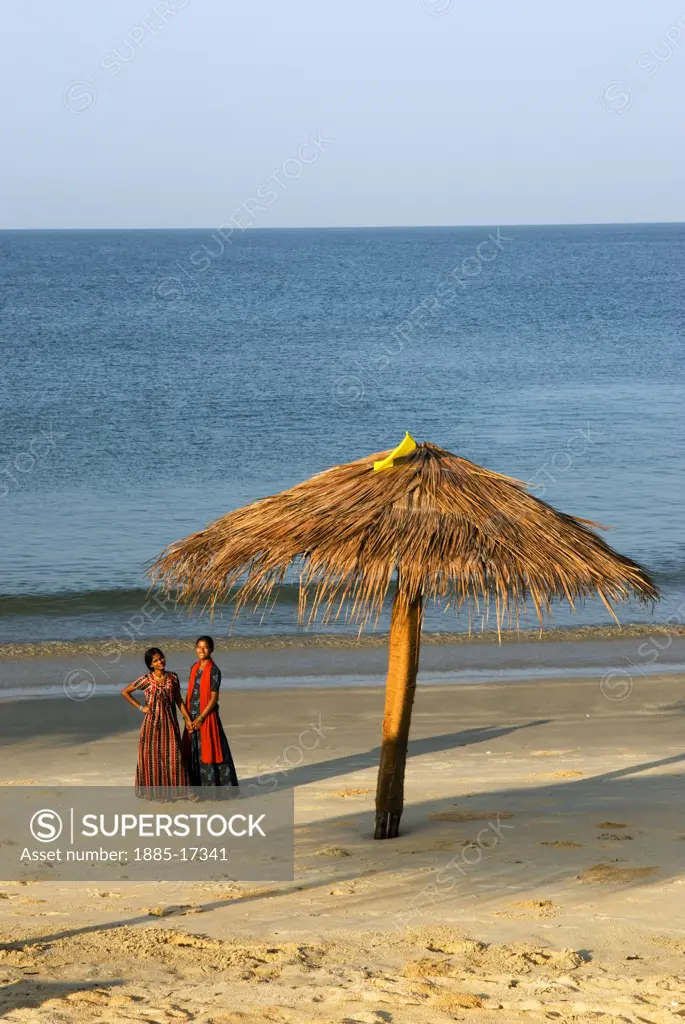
<point>193,726</point>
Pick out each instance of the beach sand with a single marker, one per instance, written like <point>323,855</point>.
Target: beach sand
<point>538,875</point>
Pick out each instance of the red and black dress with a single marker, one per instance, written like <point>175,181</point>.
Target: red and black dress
<point>206,751</point>
<point>160,761</point>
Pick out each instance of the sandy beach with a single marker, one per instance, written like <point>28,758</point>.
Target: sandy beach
<point>537,876</point>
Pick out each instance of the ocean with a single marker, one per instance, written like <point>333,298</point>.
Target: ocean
<point>154,380</point>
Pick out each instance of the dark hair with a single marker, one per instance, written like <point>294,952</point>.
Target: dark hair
<point>208,640</point>
<point>150,653</point>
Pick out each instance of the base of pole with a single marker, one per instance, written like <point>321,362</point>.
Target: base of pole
<point>387,825</point>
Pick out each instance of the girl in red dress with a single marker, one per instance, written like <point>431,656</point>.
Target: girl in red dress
<point>205,746</point>
<point>161,766</point>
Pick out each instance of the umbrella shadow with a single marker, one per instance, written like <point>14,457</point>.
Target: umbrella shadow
<point>302,775</point>
<point>551,834</point>
<point>506,869</point>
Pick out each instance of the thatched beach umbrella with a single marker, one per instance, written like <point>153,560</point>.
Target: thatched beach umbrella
<point>447,528</point>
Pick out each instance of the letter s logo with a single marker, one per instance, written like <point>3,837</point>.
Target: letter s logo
<point>46,826</point>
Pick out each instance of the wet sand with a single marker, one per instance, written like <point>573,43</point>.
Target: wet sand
<point>538,875</point>
<point>82,670</point>
<point>309,640</point>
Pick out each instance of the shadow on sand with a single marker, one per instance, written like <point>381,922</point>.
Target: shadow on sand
<point>528,858</point>
<point>29,995</point>
<point>290,778</point>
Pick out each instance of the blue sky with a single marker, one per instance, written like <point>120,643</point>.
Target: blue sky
<point>173,113</point>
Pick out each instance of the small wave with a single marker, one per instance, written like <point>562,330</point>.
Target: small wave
<point>94,602</point>
<point>668,573</point>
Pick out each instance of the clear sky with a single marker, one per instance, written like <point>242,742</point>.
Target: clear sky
<point>173,113</point>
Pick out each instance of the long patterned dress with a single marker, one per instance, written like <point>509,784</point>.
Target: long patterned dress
<point>160,763</point>
<point>201,773</point>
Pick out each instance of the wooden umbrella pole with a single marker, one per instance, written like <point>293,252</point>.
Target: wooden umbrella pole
<point>403,664</point>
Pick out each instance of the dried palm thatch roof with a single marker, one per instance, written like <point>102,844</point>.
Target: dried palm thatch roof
<point>453,530</point>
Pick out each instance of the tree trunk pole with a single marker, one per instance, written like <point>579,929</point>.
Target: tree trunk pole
<point>400,686</point>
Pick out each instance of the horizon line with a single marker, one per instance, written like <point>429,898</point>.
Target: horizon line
<point>371,227</point>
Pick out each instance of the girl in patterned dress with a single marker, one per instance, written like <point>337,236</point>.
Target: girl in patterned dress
<point>205,746</point>
<point>161,767</point>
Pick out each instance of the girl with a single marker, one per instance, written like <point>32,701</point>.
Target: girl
<point>160,763</point>
<point>204,741</point>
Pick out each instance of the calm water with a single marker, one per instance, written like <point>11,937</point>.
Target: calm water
<point>151,385</point>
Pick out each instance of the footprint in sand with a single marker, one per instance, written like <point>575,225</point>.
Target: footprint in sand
<point>428,967</point>
<point>238,1017</point>
<point>476,816</point>
<point>551,753</point>
<point>530,908</point>
<point>98,996</point>
<point>439,844</point>
<point>376,1017</point>
<point>347,793</point>
<point>167,911</point>
<point>450,1001</point>
<point>558,775</point>
<point>604,874</point>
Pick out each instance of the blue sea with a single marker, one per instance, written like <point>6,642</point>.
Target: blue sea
<point>154,380</point>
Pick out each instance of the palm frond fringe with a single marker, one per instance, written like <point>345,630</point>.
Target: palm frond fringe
<point>452,530</point>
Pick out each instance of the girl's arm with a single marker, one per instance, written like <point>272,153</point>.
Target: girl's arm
<point>213,697</point>
<point>126,694</point>
<point>180,703</point>
<point>184,712</point>
<point>209,707</point>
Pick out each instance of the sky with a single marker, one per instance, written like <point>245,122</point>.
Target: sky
<point>176,113</point>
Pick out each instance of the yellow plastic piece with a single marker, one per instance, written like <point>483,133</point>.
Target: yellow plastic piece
<point>405,448</point>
